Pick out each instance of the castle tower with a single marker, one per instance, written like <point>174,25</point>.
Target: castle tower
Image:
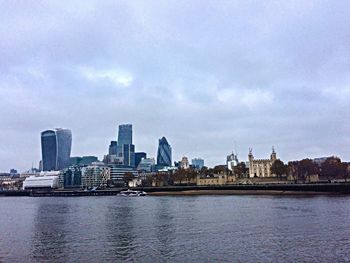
<point>251,160</point>
<point>273,155</point>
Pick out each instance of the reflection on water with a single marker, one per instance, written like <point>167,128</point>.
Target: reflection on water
<point>49,235</point>
<point>175,229</point>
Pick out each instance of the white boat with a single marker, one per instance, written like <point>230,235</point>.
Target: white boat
<point>132,193</point>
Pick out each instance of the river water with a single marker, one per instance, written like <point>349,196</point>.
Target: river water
<point>175,229</point>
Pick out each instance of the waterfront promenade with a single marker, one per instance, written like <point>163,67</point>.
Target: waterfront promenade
<point>261,189</point>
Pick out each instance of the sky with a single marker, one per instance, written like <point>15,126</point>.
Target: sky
<point>211,76</point>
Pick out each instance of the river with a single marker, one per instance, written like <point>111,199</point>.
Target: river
<point>175,229</point>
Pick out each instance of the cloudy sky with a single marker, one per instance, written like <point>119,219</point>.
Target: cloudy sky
<point>211,76</point>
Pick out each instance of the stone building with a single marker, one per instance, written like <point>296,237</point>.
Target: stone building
<point>261,167</point>
<point>184,164</point>
<point>218,179</point>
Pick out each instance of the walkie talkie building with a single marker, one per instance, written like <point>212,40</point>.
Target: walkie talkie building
<point>56,148</point>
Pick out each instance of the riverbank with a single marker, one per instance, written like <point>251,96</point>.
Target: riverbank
<point>237,192</point>
<point>265,189</point>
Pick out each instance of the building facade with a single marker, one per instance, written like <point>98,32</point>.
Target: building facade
<point>117,173</point>
<point>261,167</point>
<point>231,161</point>
<point>95,175</point>
<point>198,163</point>
<point>71,177</point>
<point>112,149</point>
<point>84,160</point>
<point>164,153</point>
<point>184,164</point>
<point>129,154</point>
<point>146,165</point>
<point>124,146</point>
<point>139,156</point>
<point>56,148</point>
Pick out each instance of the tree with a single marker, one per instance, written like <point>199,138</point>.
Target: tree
<point>128,176</point>
<point>332,168</point>
<point>240,170</point>
<point>292,170</point>
<point>220,169</point>
<point>190,174</point>
<point>179,175</point>
<point>306,168</point>
<point>204,171</point>
<point>278,168</point>
<point>347,171</point>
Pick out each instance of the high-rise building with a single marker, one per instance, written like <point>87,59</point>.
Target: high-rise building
<point>164,152</point>
<point>198,163</point>
<point>125,134</point>
<point>112,150</point>
<point>56,148</point>
<point>138,157</point>
<point>129,154</point>
<point>125,148</point>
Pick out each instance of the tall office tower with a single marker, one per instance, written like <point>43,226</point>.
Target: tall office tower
<point>125,148</point>
<point>129,154</point>
<point>112,150</point>
<point>164,153</point>
<point>138,157</point>
<point>125,134</point>
<point>124,137</point>
<point>56,148</point>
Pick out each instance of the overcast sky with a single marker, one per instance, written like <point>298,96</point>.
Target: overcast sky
<point>210,76</point>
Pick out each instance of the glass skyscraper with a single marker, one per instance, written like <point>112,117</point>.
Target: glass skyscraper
<point>125,134</point>
<point>56,148</point>
<point>164,153</point>
<point>112,150</point>
<point>138,157</point>
<point>125,148</point>
<point>129,154</point>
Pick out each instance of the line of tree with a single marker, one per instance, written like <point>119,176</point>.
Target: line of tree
<point>332,168</point>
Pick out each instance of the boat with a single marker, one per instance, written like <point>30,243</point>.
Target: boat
<point>132,193</point>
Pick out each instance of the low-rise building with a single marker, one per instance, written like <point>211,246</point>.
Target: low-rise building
<point>146,165</point>
<point>218,179</point>
<point>43,180</point>
<point>117,173</point>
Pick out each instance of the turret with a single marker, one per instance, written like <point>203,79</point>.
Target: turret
<point>273,154</point>
<point>250,155</point>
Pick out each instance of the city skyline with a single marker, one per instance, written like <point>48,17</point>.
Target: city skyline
<point>250,74</point>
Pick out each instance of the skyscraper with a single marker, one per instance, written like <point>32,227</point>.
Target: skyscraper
<point>112,150</point>
<point>129,154</point>
<point>164,152</point>
<point>138,157</point>
<point>125,134</point>
<point>56,148</point>
<point>125,148</point>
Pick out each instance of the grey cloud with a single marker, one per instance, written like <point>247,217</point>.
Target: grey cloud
<point>205,75</point>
